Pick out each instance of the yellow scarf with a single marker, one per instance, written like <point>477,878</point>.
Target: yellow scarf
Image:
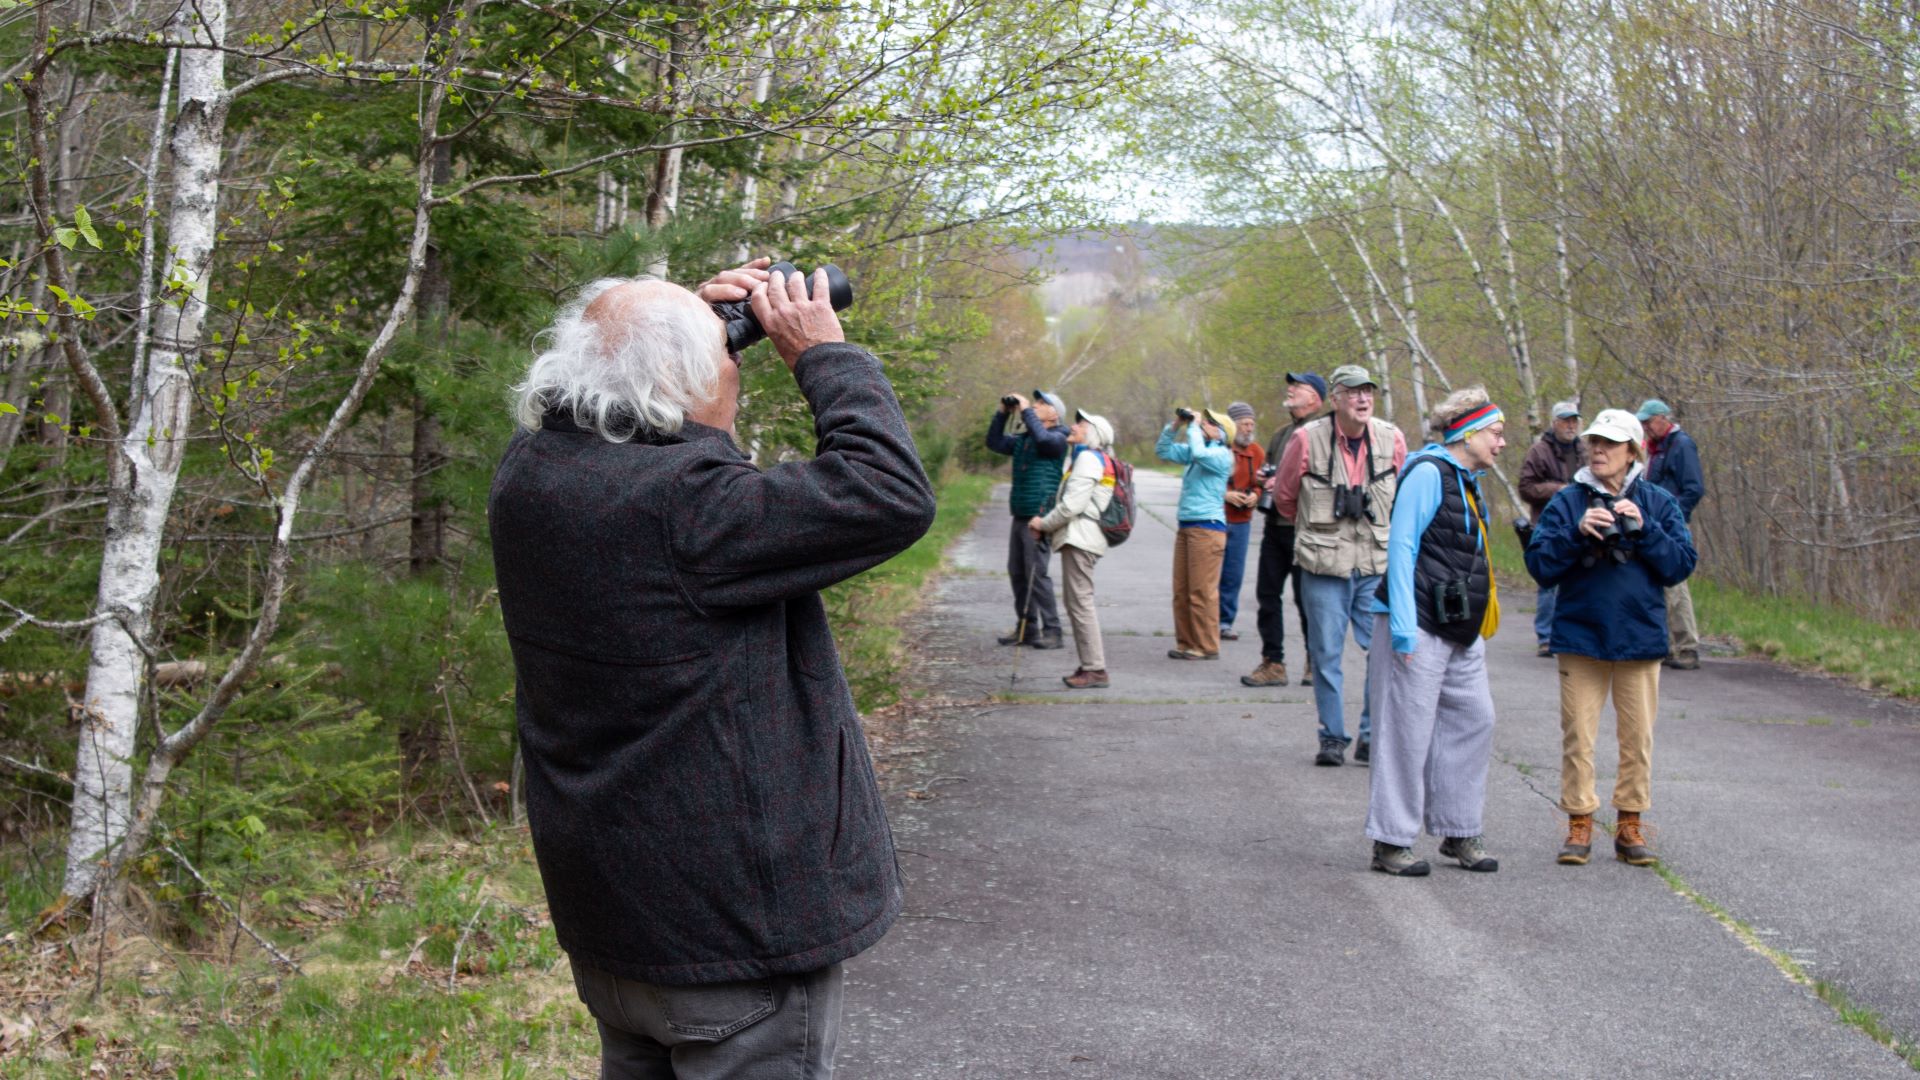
<point>1490,624</point>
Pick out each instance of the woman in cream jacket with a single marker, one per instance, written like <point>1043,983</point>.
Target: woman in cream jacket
<point>1073,528</point>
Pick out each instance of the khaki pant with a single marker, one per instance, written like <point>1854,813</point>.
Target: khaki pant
<point>1584,684</point>
<point>1076,581</point>
<point>1683,633</point>
<point>1197,555</point>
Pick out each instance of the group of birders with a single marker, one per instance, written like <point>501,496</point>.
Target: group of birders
<point>1391,546</point>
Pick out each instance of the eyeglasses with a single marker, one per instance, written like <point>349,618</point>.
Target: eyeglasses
<point>1357,391</point>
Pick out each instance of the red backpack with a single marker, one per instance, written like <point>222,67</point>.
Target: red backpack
<point>1116,521</point>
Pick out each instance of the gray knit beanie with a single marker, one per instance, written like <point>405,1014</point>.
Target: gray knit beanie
<point>1240,410</point>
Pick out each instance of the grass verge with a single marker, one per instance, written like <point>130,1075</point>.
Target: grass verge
<point>867,610</point>
<point>1797,632</point>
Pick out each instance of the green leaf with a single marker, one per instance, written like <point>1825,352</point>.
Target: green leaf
<point>84,222</point>
<point>65,237</point>
<point>8,410</point>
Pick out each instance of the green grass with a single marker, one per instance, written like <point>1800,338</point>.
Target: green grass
<point>1798,632</point>
<point>867,610</point>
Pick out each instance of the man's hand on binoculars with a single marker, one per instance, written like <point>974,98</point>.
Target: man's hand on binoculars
<point>793,321</point>
<point>737,284</point>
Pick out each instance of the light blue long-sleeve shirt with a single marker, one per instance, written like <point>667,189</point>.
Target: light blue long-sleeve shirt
<point>1417,498</point>
<point>1203,490</point>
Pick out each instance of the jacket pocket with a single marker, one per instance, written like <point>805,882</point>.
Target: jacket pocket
<point>855,827</point>
<point>712,1012</point>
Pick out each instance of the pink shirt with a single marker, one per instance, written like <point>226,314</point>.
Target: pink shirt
<point>1285,481</point>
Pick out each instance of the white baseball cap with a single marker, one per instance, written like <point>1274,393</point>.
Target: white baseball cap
<point>1617,425</point>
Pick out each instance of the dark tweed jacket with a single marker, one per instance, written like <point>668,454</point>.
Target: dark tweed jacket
<point>701,797</point>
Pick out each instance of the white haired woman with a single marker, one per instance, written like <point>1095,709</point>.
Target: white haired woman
<point>1432,711</point>
<point>1074,528</point>
<point>1612,543</point>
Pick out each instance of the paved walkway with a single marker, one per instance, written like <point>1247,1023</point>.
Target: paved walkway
<point>1154,880</point>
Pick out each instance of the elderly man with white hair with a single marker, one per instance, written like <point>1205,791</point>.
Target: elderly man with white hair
<point>703,808</point>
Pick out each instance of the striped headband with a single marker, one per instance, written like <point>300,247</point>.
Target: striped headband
<point>1485,416</point>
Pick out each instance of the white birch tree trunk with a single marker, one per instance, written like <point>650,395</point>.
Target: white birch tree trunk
<point>152,450</point>
<point>1409,312</point>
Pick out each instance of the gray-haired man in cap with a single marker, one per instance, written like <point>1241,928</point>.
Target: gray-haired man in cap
<point>1550,465</point>
<point>1039,455</point>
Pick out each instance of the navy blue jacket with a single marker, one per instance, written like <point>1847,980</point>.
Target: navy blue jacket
<point>1677,468</point>
<point>1611,611</point>
<point>702,801</point>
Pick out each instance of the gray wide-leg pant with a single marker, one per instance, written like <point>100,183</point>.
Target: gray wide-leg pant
<point>1432,738</point>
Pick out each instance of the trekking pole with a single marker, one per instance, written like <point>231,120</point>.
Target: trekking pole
<point>1033,574</point>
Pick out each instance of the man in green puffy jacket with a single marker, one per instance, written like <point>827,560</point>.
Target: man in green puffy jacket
<point>1039,453</point>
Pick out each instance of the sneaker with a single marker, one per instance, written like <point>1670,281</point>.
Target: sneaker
<point>1082,679</point>
<point>1332,751</point>
<point>1182,654</point>
<point>1306,677</point>
<point>1630,841</point>
<point>1228,633</point>
<point>1269,673</point>
<point>1685,661</point>
<point>1398,861</point>
<point>1544,649</point>
<point>1048,639</point>
<point>1471,852</point>
<point>1363,752</point>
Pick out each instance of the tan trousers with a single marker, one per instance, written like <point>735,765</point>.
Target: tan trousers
<point>1584,684</point>
<point>1683,633</point>
<point>1076,581</point>
<point>1197,555</point>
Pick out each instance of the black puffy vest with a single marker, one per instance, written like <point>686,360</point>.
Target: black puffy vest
<point>1449,550</point>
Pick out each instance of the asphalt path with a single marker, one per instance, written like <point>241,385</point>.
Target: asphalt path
<point>1155,881</point>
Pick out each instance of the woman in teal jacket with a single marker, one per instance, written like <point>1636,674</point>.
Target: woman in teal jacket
<point>1200,546</point>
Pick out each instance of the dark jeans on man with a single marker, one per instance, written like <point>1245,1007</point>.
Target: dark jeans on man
<point>782,1028</point>
<point>1276,569</point>
<point>1026,556</point>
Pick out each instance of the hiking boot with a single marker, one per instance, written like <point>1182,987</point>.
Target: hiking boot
<point>1048,639</point>
<point>1630,841</point>
<point>1306,677</point>
<point>1579,840</point>
<point>1683,661</point>
<point>1082,679</point>
<point>1228,633</point>
<point>1471,852</point>
<point>1332,751</point>
<point>1398,861</point>
<point>1018,637</point>
<point>1543,650</point>
<point>1183,654</point>
<point>1269,673</point>
<point>1363,752</point>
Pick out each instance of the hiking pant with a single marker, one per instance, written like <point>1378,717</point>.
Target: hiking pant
<point>1197,554</point>
<point>1026,556</point>
<point>1432,738</point>
<point>1683,634</point>
<point>782,1028</point>
<point>1275,570</point>
<point>1233,569</point>
<point>1584,685</point>
<point>1333,604</point>
<point>1076,585</point>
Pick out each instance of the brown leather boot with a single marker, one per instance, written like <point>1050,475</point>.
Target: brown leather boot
<point>1082,679</point>
<point>1630,841</point>
<point>1269,673</point>
<point>1579,843</point>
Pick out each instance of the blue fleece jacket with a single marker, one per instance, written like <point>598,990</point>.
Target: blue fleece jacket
<point>1611,611</point>
<point>1203,489</point>
<point>1416,499</point>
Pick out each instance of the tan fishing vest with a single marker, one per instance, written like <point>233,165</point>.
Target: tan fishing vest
<point>1338,547</point>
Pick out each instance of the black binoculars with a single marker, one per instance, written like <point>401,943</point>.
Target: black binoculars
<point>743,327</point>
<point>1265,503</point>
<point>1184,413</point>
<point>1352,501</point>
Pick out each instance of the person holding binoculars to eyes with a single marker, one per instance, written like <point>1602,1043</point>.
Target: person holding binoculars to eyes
<point>1612,542</point>
<point>1198,441</point>
<point>1033,434</point>
<point>1336,481</point>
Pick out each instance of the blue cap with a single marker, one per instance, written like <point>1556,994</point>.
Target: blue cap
<point>1652,407</point>
<point>1052,399</point>
<point>1319,384</point>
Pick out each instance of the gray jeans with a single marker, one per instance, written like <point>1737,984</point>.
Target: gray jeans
<point>782,1028</point>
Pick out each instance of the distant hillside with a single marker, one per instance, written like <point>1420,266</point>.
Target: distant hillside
<point>1133,263</point>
